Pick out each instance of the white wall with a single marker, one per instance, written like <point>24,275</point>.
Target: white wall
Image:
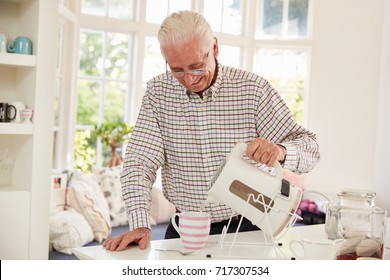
<point>381,181</point>
<point>345,89</point>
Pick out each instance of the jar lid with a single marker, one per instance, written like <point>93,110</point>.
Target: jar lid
<point>358,197</point>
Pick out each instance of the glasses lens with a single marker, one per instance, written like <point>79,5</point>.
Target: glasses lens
<point>177,74</point>
<point>195,72</point>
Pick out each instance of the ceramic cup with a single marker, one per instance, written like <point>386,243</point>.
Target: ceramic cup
<point>26,115</point>
<point>21,45</point>
<point>3,43</point>
<point>19,106</point>
<point>7,112</point>
<point>193,228</point>
<point>315,248</point>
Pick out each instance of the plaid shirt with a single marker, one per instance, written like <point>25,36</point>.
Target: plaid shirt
<point>189,138</point>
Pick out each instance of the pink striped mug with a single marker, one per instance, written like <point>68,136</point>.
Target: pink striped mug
<point>194,229</point>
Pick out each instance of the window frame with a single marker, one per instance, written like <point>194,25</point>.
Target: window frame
<point>247,42</point>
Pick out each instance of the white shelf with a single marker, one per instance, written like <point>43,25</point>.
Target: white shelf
<point>16,128</point>
<point>25,201</point>
<point>18,60</point>
<point>11,189</point>
<point>15,1</point>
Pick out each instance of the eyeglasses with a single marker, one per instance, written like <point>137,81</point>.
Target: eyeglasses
<point>192,72</point>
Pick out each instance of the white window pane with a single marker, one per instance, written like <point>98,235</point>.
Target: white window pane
<point>272,17</point>
<point>91,54</point>
<point>85,151</point>
<point>154,63</point>
<point>88,97</point>
<point>229,56</point>
<point>94,7</point>
<point>297,18</point>
<point>213,14</point>
<point>156,11</point>
<point>114,101</point>
<point>117,47</point>
<point>285,69</point>
<point>269,64</point>
<point>179,5</point>
<point>224,15</point>
<point>295,102</point>
<point>283,18</point>
<point>232,17</point>
<point>123,9</point>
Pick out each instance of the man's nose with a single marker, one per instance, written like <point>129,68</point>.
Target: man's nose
<point>188,78</point>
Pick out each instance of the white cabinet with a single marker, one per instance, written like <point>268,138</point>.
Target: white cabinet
<point>25,195</point>
<point>14,233</point>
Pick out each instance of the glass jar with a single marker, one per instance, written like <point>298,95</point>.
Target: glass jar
<point>356,218</point>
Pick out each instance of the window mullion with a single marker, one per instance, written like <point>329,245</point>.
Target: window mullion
<point>285,18</point>
<point>99,146</point>
<point>106,7</point>
<point>103,78</point>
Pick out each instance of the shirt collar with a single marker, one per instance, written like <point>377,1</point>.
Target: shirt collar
<point>215,88</point>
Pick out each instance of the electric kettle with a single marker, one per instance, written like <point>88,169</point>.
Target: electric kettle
<point>268,201</point>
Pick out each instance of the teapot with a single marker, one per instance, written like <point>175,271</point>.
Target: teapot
<point>356,218</point>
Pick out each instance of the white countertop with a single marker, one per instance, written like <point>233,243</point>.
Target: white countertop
<point>248,245</point>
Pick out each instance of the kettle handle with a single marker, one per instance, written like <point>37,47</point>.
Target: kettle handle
<point>240,149</point>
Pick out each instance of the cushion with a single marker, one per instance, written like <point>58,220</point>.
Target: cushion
<point>109,181</point>
<point>161,209</point>
<point>86,197</point>
<point>69,229</point>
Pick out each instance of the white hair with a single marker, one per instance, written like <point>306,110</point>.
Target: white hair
<point>183,26</point>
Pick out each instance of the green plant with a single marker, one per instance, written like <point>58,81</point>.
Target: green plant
<point>114,134</point>
<point>85,153</point>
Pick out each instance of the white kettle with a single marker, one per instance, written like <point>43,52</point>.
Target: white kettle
<point>269,202</point>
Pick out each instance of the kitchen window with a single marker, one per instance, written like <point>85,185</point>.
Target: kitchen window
<point>119,52</point>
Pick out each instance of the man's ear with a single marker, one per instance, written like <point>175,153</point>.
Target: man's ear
<point>215,48</point>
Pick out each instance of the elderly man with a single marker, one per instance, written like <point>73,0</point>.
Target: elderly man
<point>191,117</point>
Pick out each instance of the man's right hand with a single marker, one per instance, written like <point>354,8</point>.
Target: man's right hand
<point>141,236</point>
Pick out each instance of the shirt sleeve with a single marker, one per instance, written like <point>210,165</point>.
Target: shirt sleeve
<point>276,123</point>
<point>144,155</point>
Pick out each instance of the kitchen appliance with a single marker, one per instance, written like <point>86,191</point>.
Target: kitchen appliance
<point>268,201</point>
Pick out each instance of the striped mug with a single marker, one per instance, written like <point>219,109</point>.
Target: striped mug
<point>193,228</point>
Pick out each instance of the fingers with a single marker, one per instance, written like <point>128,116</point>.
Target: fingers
<point>141,236</point>
<point>144,242</point>
<point>263,151</point>
<point>112,243</point>
<point>144,238</point>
